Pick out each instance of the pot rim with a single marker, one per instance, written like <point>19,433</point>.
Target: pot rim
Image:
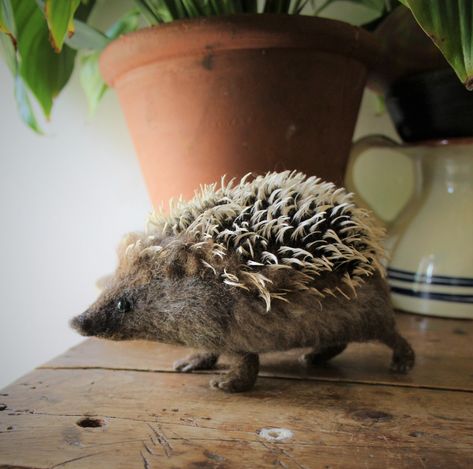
<point>208,35</point>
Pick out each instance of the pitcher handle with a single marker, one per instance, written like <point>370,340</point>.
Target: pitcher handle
<point>358,148</point>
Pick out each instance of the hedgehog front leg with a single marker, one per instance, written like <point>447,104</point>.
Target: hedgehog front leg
<point>197,361</point>
<point>241,377</point>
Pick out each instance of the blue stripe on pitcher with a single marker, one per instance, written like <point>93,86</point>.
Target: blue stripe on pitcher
<point>406,276</point>
<point>426,295</point>
<point>403,282</point>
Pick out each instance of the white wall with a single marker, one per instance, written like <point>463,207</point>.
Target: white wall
<point>65,200</point>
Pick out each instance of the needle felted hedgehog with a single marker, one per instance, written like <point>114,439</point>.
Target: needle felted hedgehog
<point>279,262</point>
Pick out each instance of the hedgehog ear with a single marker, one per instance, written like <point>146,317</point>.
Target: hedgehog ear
<point>103,282</point>
<point>128,239</point>
<point>182,262</point>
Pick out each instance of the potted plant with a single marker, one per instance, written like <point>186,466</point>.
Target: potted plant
<point>217,90</point>
<point>423,94</point>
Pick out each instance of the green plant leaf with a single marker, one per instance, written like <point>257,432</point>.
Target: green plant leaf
<point>86,37</point>
<point>126,24</point>
<point>249,6</point>
<point>7,20</point>
<point>91,80</point>
<point>206,8</point>
<point>192,10</point>
<point>162,10</point>
<point>60,17</point>
<point>8,53</point>
<point>298,6</point>
<point>450,26</point>
<point>165,11</point>
<point>229,7</point>
<point>21,92</point>
<point>217,7</point>
<point>90,77</point>
<point>44,71</point>
<point>146,13</point>
<point>24,105</point>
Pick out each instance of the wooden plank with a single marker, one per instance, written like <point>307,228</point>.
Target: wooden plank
<point>443,346</point>
<point>169,420</point>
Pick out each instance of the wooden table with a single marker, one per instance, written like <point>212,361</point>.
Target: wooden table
<point>120,405</point>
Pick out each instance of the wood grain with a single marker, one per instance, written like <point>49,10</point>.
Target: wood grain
<point>443,346</point>
<point>174,421</point>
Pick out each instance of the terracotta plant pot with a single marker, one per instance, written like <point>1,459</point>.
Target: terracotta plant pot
<point>230,95</point>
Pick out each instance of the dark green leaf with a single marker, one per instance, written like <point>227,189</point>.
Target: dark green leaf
<point>60,15</point>
<point>43,71</point>
<point>229,7</point>
<point>21,93</point>
<point>298,6</point>
<point>450,26</point>
<point>147,14</point>
<point>8,53</point>
<point>191,8</point>
<point>160,9</point>
<point>180,10</point>
<point>7,21</point>
<point>206,8</point>
<point>217,7</point>
<point>24,105</point>
<point>175,7</point>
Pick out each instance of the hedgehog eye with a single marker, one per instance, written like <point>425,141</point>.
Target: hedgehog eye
<point>123,305</point>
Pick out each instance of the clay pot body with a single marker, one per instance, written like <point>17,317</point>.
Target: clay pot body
<point>230,95</point>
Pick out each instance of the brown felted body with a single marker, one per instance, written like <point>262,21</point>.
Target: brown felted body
<point>173,287</point>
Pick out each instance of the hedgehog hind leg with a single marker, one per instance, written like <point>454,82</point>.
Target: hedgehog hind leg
<point>321,356</point>
<point>403,358</point>
<point>197,361</point>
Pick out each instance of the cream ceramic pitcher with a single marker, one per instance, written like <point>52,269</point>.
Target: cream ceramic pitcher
<point>430,270</point>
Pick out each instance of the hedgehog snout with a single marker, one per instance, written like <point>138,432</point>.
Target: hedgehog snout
<point>82,324</point>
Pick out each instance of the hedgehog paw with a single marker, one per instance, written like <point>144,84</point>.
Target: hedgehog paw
<point>228,383</point>
<point>198,361</point>
<point>241,377</point>
<point>402,364</point>
<point>403,355</point>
